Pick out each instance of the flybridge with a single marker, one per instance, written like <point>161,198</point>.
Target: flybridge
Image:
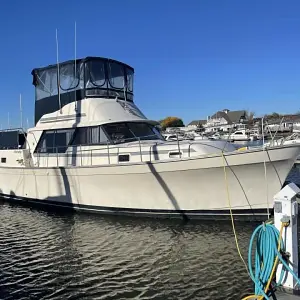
<point>75,80</point>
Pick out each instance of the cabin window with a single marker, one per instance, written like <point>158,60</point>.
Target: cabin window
<point>175,154</point>
<point>55,141</point>
<point>3,160</point>
<point>46,143</point>
<point>89,136</point>
<point>119,133</point>
<point>131,131</point>
<point>62,139</point>
<point>123,157</point>
<point>9,139</point>
<point>142,130</point>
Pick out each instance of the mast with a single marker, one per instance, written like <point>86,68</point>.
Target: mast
<point>58,73</point>
<point>8,123</point>
<point>21,111</point>
<point>75,69</point>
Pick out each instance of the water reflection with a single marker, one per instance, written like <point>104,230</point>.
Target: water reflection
<point>47,255</point>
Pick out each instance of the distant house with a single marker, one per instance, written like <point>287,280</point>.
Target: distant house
<point>282,123</point>
<point>225,120</point>
<point>196,124</point>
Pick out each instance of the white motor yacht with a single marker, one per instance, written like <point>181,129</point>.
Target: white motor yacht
<point>92,149</point>
<point>238,135</point>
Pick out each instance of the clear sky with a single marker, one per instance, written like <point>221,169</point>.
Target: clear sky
<point>191,57</point>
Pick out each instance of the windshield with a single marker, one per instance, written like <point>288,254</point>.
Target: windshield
<point>128,132</point>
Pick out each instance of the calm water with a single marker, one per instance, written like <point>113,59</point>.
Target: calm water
<point>62,255</point>
<point>49,255</point>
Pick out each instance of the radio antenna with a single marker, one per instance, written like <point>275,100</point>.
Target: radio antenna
<point>58,73</point>
<point>21,111</point>
<point>75,67</point>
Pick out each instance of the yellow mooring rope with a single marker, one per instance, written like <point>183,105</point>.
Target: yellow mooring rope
<point>231,215</point>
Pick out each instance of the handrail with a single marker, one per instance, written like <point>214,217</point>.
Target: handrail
<point>178,145</point>
<point>140,150</point>
<point>108,146</point>
<point>55,151</point>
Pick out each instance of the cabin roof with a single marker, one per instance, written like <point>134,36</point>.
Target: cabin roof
<point>80,60</point>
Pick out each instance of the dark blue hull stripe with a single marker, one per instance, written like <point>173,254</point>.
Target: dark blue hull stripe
<point>191,214</point>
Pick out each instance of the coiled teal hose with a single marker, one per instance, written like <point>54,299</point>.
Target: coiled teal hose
<point>267,241</point>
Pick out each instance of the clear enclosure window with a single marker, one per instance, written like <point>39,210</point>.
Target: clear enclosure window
<point>46,84</point>
<point>95,73</point>
<point>69,79</point>
<point>116,75</point>
<point>129,74</point>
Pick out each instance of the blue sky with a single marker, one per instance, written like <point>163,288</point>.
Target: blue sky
<point>191,57</point>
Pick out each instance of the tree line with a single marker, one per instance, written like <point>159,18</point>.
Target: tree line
<point>171,122</point>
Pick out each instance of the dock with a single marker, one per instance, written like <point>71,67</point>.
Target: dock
<point>280,295</point>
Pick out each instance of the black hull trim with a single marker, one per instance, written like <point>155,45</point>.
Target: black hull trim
<point>243,214</point>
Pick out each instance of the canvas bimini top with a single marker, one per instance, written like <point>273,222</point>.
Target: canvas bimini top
<point>87,77</point>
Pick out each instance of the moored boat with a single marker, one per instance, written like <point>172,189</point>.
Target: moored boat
<point>92,149</point>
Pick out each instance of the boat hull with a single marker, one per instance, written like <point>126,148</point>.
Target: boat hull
<point>188,188</point>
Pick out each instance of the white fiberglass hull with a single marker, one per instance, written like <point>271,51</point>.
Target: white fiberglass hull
<point>193,187</point>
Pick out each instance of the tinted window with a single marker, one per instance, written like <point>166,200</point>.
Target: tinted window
<point>46,143</point>
<point>53,141</point>
<point>119,133</point>
<point>142,130</point>
<point>62,139</point>
<point>89,136</point>
<point>9,139</point>
<point>131,131</point>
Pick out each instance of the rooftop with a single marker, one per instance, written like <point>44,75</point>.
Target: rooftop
<point>197,122</point>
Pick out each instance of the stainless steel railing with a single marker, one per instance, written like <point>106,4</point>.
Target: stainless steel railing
<point>108,147</point>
